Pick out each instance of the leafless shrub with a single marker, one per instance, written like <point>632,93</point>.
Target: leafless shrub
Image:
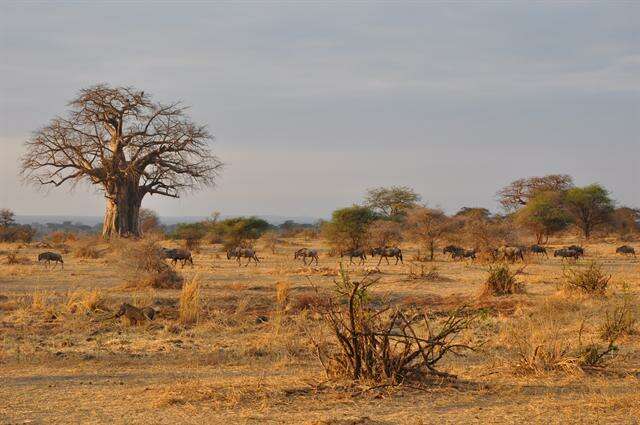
<point>384,345</point>
<point>620,321</point>
<point>142,265</point>
<point>502,281</point>
<point>590,281</point>
<point>417,272</point>
<point>14,258</point>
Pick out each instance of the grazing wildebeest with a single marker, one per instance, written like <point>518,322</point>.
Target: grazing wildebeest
<point>511,253</point>
<point>239,253</point>
<point>625,249</point>
<point>452,249</point>
<point>48,257</point>
<point>387,252</point>
<point>464,253</point>
<point>576,248</point>
<point>566,253</point>
<point>354,253</point>
<point>537,249</point>
<point>306,252</point>
<point>176,255</point>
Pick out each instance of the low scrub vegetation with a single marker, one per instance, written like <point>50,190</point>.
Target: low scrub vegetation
<point>591,280</point>
<point>383,345</point>
<point>142,265</point>
<point>501,280</point>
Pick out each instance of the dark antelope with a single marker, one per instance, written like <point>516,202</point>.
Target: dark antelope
<point>354,253</point>
<point>239,253</point>
<point>387,252</point>
<point>566,253</point>
<point>176,255</point>
<point>576,248</point>
<point>304,253</point>
<point>626,249</point>
<point>537,249</point>
<point>48,257</point>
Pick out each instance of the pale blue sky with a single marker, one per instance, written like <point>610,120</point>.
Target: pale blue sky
<point>313,103</point>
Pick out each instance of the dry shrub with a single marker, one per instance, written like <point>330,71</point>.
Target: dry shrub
<point>382,345</point>
<point>190,302</point>
<point>14,258</point>
<point>502,281</point>
<point>142,265</point>
<point>86,248</point>
<point>60,237</point>
<point>590,281</point>
<point>84,301</point>
<point>620,321</point>
<point>282,295</point>
<point>545,343</point>
<point>419,273</point>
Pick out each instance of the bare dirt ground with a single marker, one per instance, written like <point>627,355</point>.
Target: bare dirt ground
<point>64,360</point>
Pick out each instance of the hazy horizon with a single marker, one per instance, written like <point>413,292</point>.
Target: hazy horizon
<point>311,104</point>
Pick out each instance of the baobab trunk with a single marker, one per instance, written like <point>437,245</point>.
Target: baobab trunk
<point>122,215</point>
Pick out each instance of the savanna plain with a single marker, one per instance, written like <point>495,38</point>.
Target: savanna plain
<point>240,344</point>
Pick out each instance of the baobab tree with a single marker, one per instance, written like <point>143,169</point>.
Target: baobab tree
<point>119,140</point>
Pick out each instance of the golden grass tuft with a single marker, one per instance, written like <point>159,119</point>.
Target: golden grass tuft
<point>84,301</point>
<point>590,281</point>
<point>502,281</point>
<point>190,302</point>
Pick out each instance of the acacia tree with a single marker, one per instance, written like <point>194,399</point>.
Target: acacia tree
<point>589,206</point>
<point>518,193</point>
<point>391,202</point>
<point>426,226</point>
<point>544,215</point>
<point>119,140</point>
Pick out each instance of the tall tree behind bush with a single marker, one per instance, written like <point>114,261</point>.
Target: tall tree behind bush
<point>625,222</point>
<point>544,215</point>
<point>589,207</point>
<point>348,227</point>
<point>427,226</point>
<point>518,193</point>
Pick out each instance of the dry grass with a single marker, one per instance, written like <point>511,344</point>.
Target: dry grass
<point>87,247</point>
<point>501,281</point>
<point>248,356</point>
<point>591,280</point>
<point>142,264</point>
<point>190,302</point>
<point>14,258</point>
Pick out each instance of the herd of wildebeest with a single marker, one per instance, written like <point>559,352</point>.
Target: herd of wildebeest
<point>506,253</point>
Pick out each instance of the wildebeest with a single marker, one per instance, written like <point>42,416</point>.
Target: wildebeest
<point>511,253</point>
<point>354,253</point>
<point>452,249</point>
<point>48,257</point>
<point>464,253</point>
<point>306,252</point>
<point>576,248</point>
<point>387,252</point>
<point>239,253</point>
<point>566,253</point>
<point>625,249</point>
<point>176,255</point>
<point>537,249</point>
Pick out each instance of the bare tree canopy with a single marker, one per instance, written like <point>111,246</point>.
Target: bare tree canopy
<point>118,139</point>
<point>518,193</point>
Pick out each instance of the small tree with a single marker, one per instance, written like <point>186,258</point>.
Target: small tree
<point>626,222</point>
<point>391,202</point>
<point>348,227</point>
<point>589,207</point>
<point>238,231</point>
<point>191,233</point>
<point>7,218</point>
<point>383,233</point>
<point>518,193</point>
<point>427,226</point>
<point>544,215</point>
<point>149,221</point>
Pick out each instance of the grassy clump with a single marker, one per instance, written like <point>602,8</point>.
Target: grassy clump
<point>190,302</point>
<point>591,280</point>
<point>502,281</point>
<point>143,265</point>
